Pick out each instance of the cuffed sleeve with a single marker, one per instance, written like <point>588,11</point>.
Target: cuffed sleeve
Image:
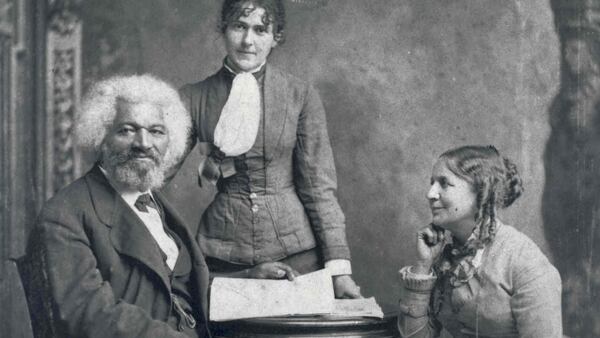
<point>339,267</point>
<point>315,179</point>
<point>413,307</point>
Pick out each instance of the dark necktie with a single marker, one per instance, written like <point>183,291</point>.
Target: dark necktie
<point>144,201</point>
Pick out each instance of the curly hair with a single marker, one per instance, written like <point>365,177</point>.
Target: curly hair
<point>99,109</point>
<point>495,179</point>
<point>274,14</point>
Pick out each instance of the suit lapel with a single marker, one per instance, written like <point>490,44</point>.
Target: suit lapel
<point>275,106</point>
<point>200,268</point>
<point>128,233</point>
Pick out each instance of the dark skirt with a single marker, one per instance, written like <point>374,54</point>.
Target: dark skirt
<point>303,262</point>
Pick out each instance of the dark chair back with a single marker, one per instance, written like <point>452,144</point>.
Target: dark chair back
<point>37,292</point>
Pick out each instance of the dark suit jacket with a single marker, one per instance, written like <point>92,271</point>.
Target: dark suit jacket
<point>299,181</point>
<point>105,272</point>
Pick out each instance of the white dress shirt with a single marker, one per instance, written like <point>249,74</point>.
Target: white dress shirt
<point>152,221</point>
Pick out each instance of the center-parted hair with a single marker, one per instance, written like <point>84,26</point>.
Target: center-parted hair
<point>274,14</point>
<point>99,109</point>
<point>495,180</point>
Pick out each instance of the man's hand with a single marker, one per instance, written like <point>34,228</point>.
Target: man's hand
<point>345,287</point>
<point>272,270</point>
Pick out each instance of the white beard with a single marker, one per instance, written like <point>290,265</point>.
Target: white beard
<point>133,173</point>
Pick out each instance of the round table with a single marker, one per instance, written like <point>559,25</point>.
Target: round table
<point>307,326</point>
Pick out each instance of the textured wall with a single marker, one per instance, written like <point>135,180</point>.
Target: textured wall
<point>401,81</point>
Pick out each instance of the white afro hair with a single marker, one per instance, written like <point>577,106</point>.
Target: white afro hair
<point>99,109</point>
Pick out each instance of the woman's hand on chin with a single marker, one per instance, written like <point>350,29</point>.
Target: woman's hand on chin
<point>430,242</point>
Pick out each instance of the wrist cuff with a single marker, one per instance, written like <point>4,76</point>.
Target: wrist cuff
<point>416,282</point>
<point>339,267</point>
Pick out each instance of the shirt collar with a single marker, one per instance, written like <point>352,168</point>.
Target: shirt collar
<point>256,71</point>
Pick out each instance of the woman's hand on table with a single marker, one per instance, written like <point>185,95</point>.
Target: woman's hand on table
<point>430,243</point>
<point>272,270</point>
<point>345,287</point>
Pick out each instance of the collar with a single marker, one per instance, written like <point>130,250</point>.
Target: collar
<point>478,254</point>
<point>130,196</point>
<point>477,259</point>
<point>257,72</point>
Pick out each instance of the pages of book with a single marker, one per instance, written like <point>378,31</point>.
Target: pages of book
<point>238,298</point>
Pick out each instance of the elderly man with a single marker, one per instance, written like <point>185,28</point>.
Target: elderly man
<point>118,259</point>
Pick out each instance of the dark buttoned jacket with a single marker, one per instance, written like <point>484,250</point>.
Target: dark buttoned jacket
<point>286,205</point>
<point>105,272</point>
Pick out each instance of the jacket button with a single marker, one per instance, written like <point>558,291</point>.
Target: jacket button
<point>254,208</point>
<point>253,195</point>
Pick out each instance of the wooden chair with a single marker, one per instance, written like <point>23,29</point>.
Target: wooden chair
<point>37,292</point>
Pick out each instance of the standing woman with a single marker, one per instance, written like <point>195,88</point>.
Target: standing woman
<point>491,280</point>
<point>264,139</point>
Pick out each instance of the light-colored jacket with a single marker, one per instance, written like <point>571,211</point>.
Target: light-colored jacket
<point>515,293</point>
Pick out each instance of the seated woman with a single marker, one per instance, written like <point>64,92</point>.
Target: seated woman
<point>490,280</point>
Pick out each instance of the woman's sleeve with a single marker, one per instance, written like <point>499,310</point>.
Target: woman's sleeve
<point>536,301</point>
<point>315,179</point>
<point>414,318</point>
<point>187,100</point>
<point>84,303</point>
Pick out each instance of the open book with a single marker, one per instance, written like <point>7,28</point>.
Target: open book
<point>310,294</point>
